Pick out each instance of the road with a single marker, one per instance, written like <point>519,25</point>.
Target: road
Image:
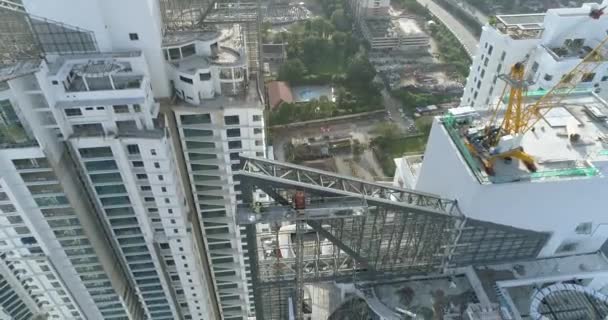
<point>482,17</point>
<point>468,39</point>
<point>393,107</point>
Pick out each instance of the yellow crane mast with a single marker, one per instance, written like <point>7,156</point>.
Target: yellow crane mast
<point>503,141</point>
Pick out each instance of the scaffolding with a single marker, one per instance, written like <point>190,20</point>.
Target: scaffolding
<point>355,231</point>
<point>248,15</point>
<point>28,37</point>
<point>184,15</point>
<point>189,15</point>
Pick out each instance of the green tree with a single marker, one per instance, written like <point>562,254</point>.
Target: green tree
<point>292,70</point>
<point>341,21</point>
<point>387,131</point>
<point>265,30</point>
<point>314,49</point>
<point>360,72</point>
<point>322,27</point>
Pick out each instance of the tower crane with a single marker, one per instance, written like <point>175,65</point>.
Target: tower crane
<point>502,139</point>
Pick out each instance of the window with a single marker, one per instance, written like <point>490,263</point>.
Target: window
<point>257,118</point>
<point>483,73</point>
<point>231,120</point>
<point>199,145</point>
<point>142,176</point>
<point>604,78</point>
<point>133,36</point>
<point>259,154</point>
<point>121,108</point>
<point>146,188</point>
<point>160,177</point>
<point>133,149</point>
<point>535,66</point>
<point>188,50</point>
<point>257,130</point>
<point>234,145</point>
<point>138,164</point>
<point>153,152</point>
<point>186,80</point>
<point>258,142</point>
<point>584,228</point>
<point>233,132</point>
<point>588,77</point>
<point>485,62</point>
<point>174,54</point>
<point>198,133</point>
<point>101,108</point>
<point>99,152</point>
<point>195,119</point>
<point>73,112</point>
<point>156,165</point>
<point>163,189</point>
<point>503,55</point>
<point>136,108</point>
<point>490,49</point>
<point>548,77</point>
<point>89,108</point>
<point>205,76</point>
<point>149,199</point>
<point>478,84</point>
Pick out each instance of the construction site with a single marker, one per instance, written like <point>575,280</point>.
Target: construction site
<point>412,63</point>
<point>504,219</point>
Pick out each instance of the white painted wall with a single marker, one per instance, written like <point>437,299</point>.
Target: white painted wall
<point>559,25</point>
<point>485,75</point>
<point>112,21</point>
<point>557,206</point>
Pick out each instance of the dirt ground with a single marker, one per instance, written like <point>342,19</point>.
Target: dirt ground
<point>366,167</point>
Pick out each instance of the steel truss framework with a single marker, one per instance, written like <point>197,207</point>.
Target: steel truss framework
<point>24,36</point>
<point>354,230</point>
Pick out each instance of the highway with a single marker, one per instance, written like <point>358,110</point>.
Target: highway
<point>468,39</point>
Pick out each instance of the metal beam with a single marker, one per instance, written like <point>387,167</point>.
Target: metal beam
<point>378,233</point>
<point>331,182</point>
<point>9,5</point>
<point>327,235</point>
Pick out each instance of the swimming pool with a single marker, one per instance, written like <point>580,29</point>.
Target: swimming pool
<point>307,93</point>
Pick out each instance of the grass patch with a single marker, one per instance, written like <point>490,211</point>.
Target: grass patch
<point>450,49</point>
<point>388,150</point>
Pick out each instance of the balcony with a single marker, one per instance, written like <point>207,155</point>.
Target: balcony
<point>105,83</point>
<point>104,79</point>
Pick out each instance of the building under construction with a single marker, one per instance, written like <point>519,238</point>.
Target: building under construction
<point>277,240</point>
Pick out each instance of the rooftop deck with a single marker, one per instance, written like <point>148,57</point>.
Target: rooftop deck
<point>226,57</point>
<point>184,37</point>
<point>521,26</point>
<point>555,154</point>
<point>248,99</point>
<point>513,284</point>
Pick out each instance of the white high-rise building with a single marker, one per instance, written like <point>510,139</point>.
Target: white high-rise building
<point>563,197</point>
<point>116,202</point>
<point>550,44</point>
<point>220,116</point>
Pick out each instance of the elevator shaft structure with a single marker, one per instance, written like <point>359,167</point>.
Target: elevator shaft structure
<point>355,229</point>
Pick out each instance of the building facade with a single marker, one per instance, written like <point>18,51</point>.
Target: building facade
<point>550,45</point>
<point>111,207</point>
